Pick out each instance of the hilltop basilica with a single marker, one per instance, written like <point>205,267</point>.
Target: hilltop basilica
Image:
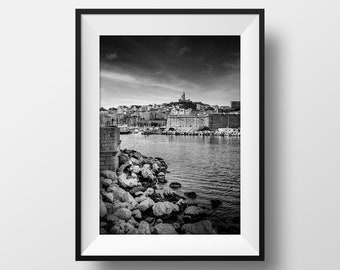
<point>182,99</point>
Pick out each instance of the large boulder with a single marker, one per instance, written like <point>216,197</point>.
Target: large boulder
<point>118,228</point>
<point>112,219</point>
<point>146,204</point>
<point>123,213</point>
<point>149,191</point>
<point>137,214</point>
<point>108,196</point>
<point>165,228</point>
<point>112,186</point>
<point>133,222</point>
<point>144,227</point>
<point>136,189</point>
<point>164,208</point>
<point>122,228</point>
<point>140,198</point>
<point>106,182</point>
<point>103,210</point>
<point>109,174</point>
<point>201,227</point>
<point>118,193</point>
<point>135,161</point>
<point>135,169</point>
<point>133,175</point>
<point>147,172</point>
<point>127,197</point>
<point>194,211</point>
<point>139,193</point>
<point>127,182</point>
<point>155,167</point>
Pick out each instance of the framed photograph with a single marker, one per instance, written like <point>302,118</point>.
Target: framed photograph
<point>170,134</point>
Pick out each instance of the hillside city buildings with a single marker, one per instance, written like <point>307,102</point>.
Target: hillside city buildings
<point>184,115</point>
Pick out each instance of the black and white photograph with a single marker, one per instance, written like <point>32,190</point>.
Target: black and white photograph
<point>162,135</point>
<point>170,135</point>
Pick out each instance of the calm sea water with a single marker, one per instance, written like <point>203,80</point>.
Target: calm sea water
<point>210,166</point>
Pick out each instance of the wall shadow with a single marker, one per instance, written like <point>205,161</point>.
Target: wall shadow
<point>273,201</point>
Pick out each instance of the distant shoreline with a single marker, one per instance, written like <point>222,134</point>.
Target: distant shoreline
<point>234,133</point>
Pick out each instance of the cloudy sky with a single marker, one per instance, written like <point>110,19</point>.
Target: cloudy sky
<point>157,69</point>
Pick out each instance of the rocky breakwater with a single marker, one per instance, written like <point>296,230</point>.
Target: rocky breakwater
<point>132,203</point>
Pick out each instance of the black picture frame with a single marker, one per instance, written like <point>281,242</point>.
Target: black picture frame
<point>78,227</point>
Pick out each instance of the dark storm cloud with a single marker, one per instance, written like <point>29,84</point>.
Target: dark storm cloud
<point>144,70</point>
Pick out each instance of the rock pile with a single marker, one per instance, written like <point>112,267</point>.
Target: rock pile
<point>131,203</point>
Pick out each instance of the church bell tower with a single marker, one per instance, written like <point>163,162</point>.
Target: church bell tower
<point>183,96</point>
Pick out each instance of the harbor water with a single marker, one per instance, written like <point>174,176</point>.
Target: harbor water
<point>207,165</point>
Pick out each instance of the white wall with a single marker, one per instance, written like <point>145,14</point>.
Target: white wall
<point>37,136</point>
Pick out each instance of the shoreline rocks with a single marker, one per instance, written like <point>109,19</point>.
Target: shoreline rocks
<point>135,200</point>
<point>201,227</point>
<point>165,228</point>
<point>123,213</point>
<point>164,208</point>
<point>144,227</point>
<point>137,214</point>
<point>194,211</point>
<point>127,182</point>
<point>146,204</point>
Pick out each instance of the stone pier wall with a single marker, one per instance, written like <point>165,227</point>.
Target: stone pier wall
<point>213,121</point>
<point>187,122</point>
<point>109,148</point>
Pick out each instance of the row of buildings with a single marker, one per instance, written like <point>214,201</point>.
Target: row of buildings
<point>183,115</point>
